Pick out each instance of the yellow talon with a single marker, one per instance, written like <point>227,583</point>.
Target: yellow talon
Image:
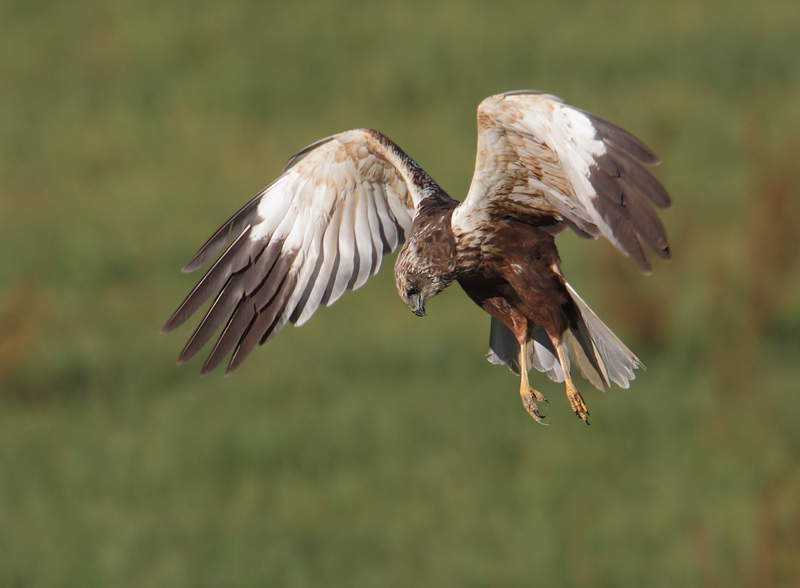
<point>530,396</point>
<point>575,399</point>
<point>530,399</point>
<point>576,402</point>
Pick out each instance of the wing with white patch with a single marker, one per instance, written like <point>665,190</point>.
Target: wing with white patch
<point>319,230</point>
<point>548,164</point>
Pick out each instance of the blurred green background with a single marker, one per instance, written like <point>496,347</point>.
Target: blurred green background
<point>370,448</point>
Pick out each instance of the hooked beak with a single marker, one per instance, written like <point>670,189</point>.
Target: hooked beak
<point>417,304</point>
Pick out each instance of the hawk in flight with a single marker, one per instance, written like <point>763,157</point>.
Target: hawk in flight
<point>344,202</point>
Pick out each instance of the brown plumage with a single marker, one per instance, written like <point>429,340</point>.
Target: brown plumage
<point>342,203</point>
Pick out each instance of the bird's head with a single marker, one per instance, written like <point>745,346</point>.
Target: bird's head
<point>426,263</point>
<point>415,289</point>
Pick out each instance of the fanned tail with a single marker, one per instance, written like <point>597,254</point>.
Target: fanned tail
<point>600,355</point>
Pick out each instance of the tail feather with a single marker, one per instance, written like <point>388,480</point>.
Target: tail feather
<point>598,352</point>
<point>542,355</point>
<point>503,346</point>
<point>504,350</point>
<point>613,360</point>
<point>588,365</point>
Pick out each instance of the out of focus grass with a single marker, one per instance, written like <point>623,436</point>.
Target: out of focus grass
<point>370,448</point>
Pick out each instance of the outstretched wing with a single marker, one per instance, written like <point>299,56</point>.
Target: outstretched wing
<point>319,230</point>
<point>547,163</point>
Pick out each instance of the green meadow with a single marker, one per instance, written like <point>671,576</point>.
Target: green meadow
<point>370,448</point>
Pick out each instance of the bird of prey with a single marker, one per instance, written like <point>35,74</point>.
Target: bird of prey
<point>344,202</point>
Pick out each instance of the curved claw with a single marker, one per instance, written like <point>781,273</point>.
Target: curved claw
<point>540,398</point>
<point>576,402</point>
<point>529,401</point>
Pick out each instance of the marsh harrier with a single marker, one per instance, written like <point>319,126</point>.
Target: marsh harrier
<point>344,202</point>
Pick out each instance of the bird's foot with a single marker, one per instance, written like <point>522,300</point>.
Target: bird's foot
<point>576,402</point>
<point>530,400</point>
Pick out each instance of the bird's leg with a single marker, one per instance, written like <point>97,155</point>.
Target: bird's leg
<point>575,399</point>
<point>530,396</point>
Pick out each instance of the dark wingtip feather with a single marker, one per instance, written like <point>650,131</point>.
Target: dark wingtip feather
<point>212,361</point>
<point>624,140</point>
<point>239,323</point>
<point>233,226</point>
<point>175,321</point>
<point>235,258</point>
<point>208,368</point>
<point>619,162</point>
<point>641,259</point>
<point>208,250</point>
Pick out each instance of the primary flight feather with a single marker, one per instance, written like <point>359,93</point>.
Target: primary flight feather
<point>343,202</point>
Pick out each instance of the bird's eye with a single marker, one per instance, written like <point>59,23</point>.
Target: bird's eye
<point>412,291</point>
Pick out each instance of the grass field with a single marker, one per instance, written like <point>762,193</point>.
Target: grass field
<point>370,448</point>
